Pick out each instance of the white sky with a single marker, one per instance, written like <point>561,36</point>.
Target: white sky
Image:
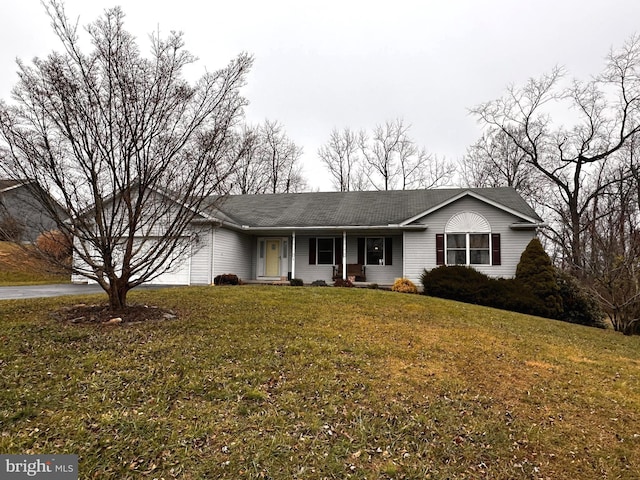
<point>360,63</point>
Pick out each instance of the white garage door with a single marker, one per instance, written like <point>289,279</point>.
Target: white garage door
<point>178,271</point>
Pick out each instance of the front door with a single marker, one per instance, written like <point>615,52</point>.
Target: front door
<point>272,258</point>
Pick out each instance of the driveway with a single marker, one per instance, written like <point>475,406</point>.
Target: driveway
<point>58,290</point>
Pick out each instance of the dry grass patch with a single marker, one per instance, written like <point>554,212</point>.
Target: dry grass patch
<point>22,266</point>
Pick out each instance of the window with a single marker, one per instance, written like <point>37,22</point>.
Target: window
<point>375,251</point>
<point>325,251</point>
<point>479,249</point>
<point>456,249</point>
<point>468,241</point>
<point>467,249</point>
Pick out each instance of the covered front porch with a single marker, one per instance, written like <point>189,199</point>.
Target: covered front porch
<point>362,256</point>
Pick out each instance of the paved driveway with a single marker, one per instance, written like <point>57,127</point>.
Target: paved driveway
<point>36,291</point>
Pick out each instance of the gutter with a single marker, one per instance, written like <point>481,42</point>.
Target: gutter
<point>527,226</point>
<point>248,228</point>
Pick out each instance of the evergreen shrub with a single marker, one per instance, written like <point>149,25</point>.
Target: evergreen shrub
<point>538,289</point>
<point>536,273</point>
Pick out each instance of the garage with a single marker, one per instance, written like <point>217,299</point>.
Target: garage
<point>178,268</point>
<point>178,273</point>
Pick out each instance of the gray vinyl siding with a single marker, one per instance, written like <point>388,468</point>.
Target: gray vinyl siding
<point>308,273</point>
<point>381,274</point>
<point>233,253</point>
<point>201,259</point>
<point>27,212</point>
<point>420,247</point>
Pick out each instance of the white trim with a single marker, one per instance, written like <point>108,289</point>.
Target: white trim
<point>283,259</point>
<point>404,255</point>
<point>14,187</point>
<point>527,226</point>
<point>477,197</point>
<point>266,230</point>
<point>344,254</point>
<point>293,255</point>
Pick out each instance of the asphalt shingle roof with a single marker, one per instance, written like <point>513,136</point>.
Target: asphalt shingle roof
<point>326,209</point>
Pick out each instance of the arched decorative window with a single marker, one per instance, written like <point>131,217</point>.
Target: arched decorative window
<point>468,241</point>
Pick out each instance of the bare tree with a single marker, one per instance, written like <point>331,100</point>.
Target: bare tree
<point>264,160</point>
<point>340,156</point>
<point>282,157</point>
<point>125,145</point>
<point>391,159</point>
<point>495,160</point>
<point>613,250</point>
<point>250,173</point>
<point>573,161</point>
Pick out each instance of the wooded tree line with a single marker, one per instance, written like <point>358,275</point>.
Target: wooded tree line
<point>581,172</point>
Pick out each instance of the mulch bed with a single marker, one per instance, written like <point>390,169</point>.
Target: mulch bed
<point>102,315</point>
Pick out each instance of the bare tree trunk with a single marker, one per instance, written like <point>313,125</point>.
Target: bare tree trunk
<point>118,290</point>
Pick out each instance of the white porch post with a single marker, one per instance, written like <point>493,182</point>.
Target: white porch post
<point>293,255</point>
<point>344,254</point>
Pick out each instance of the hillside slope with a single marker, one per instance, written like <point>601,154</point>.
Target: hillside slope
<point>283,382</point>
<point>19,267</point>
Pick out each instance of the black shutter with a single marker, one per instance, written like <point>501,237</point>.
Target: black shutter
<point>388,251</point>
<point>495,249</point>
<point>338,250</point>
<point>361,253</point>
<point>312,251</point>
<point>439,248</point>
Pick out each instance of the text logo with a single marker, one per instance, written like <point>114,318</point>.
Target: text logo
<point>46,467</point>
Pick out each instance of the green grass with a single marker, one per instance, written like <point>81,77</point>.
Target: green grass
<point>18,267</point>
<point>314,383</point>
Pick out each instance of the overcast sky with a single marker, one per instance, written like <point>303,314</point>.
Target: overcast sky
<point>320,65</point>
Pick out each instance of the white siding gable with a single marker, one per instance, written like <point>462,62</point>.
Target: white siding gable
<point>420,247</point>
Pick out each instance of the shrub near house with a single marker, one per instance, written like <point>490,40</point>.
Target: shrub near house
<point>538,289</point>
<point>404,285</point>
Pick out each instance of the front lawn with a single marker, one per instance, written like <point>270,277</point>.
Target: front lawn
<point>313,383</point>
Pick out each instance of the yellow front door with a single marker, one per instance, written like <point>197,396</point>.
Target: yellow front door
<point>272,258</point>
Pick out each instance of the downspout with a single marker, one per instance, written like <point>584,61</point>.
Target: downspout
<point>344,254</point>
<point>293,255</point>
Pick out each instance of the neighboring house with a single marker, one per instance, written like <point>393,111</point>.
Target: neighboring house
<point>372,236</point>
<point>22,218</point>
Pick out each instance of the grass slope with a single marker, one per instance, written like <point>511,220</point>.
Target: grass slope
<point>313,383</point>
<point>17,267</point>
